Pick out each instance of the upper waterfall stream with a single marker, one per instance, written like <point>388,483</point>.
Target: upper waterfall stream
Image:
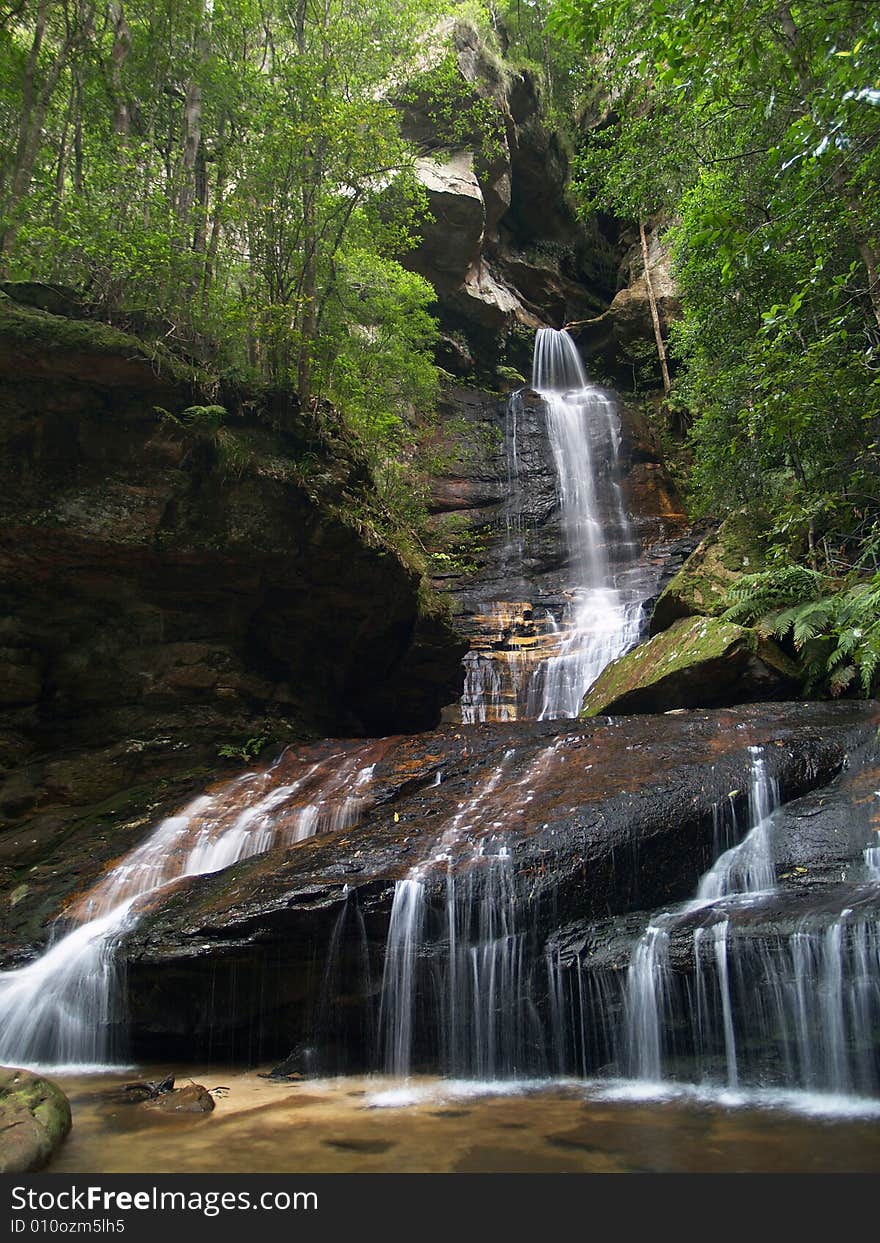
<point>603,580</point>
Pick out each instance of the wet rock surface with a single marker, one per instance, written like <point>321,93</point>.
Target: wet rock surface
<point>702,583</point>
<point>817,843</point>
<point>34,1120</point>
<point>600,818</point>
<point>192,1098</point>
<point>497,533</point>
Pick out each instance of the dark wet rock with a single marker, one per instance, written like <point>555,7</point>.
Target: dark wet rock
<point>498,542</point>
<point>34,1120</point>
<point>599,817</point>
<point>817,843</point>
<point>698,662</point>
<point>300,1063</point>
<point>163,600</point>
<point>194,1098</point>
<point>146,1090</point>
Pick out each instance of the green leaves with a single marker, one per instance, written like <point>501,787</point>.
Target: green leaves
<point>836,635</point>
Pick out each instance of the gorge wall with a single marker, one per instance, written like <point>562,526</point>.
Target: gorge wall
<point>171,588</point>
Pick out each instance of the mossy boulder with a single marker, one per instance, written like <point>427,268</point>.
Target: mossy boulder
<point>697,663</point>
<point>34,1119</point>
<point>701,585</point>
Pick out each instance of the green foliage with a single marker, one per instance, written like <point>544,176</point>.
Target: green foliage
<point>835,635</point>
<point>459,115</point>
<point>754,596</point>
<point>753,129</point>
<point>230,179</point>
<point>244,752</point>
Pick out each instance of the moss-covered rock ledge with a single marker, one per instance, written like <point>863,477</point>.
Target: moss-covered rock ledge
<point>34,1120</point>
<point>697,663</point>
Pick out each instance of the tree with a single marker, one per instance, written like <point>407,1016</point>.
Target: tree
<point>754,127</point>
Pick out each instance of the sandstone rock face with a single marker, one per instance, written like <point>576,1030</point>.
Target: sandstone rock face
<point>454,230</point>
<point>34,1120</point>
<point>628,321</point>
<point>619,818</point>
<point>696,663</point>
<point>169,589</point>
<point>498,544</point>
<point>502,245</point>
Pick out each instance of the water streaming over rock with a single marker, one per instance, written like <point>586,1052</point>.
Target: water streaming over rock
<point>63,1008</point>
<point>604,582</point>
<point>719,992</point>
<point>472,980</point>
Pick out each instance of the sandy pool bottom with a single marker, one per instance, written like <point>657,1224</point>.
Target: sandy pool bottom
<point>373,1125</point>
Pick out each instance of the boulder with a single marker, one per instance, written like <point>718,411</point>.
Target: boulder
<point>451,238</point>
<point>175,592</point>
<point>701,585</point>
<point>697,663</point>
<point>34,1119</point>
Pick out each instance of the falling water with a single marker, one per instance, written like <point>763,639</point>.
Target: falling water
<point>62,1009</point>
<point>760,1006</point>
<point>601,621</point>
<point>603,615</point>
<point>456,945</point>
<point>747,867</point>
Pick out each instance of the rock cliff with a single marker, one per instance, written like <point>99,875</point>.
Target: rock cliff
<point>178,579</point>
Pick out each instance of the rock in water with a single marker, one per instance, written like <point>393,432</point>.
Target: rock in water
<point>34,1119</point>
<point>192,1099</point>
<point>699,662</point>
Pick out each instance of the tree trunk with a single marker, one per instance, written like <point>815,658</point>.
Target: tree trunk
<point>655,317</point>
<point>192,121</point>
<point>37,93</point>
<point>118,56</point>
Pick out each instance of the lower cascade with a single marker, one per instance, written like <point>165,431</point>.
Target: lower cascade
<point>710,997</point>
<point>62,1009</point>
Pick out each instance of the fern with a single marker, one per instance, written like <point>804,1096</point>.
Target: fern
<point>756,596</point>
<point>837,637</point>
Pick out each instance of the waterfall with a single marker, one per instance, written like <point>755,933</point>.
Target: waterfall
<point>602,616</point>
<point>763,1008</point>
<point>465,954</point>
<point>747,867</point>
<point>62,1009</point>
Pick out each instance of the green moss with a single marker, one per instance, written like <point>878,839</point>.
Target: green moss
<point>34,1119</point>
<point>700,587</point>
<point>29,328</point>
<point>688,645</point>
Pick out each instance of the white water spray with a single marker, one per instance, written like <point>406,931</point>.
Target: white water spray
<point>603,615</point>
<point>61,1009</point>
